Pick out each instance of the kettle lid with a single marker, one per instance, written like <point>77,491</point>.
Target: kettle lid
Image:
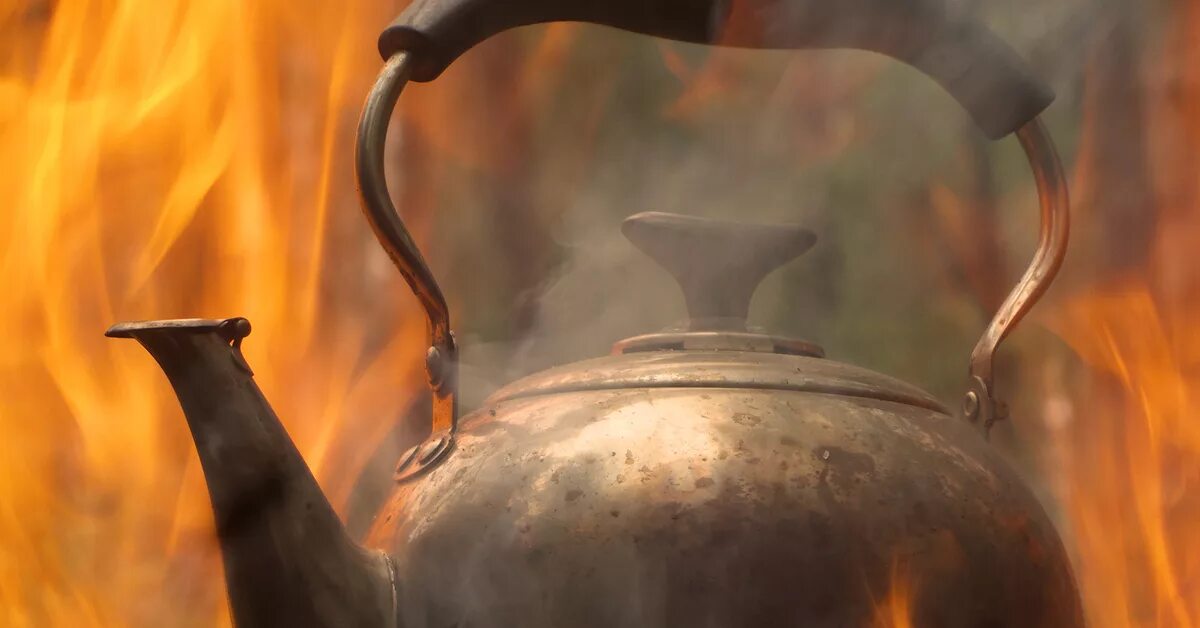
<point>718,265</point>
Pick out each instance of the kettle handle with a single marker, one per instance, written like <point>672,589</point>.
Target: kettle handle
<point>980,405</point>
<point>441,358</point>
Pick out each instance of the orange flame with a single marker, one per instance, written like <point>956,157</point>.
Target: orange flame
<point>896,609</point>
<point>171,159</point>
<point>177,158</point>
<point>1126,441</point>
<point>1131,463</point>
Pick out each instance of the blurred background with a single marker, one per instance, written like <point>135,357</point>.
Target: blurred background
<point>194,159</point>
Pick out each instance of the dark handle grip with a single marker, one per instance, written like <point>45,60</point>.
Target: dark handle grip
<point>987,77</point>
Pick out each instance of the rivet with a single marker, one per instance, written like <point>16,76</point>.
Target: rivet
<point>431,450</point>
<point>433,364</point>
<point>407,459</point>
<point>971,405</point>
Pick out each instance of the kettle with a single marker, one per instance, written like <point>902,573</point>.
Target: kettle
<point>709,475</point>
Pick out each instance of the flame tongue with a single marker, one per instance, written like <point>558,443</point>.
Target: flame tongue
<point>1130,462</point>
<point>172,159</point>
<point>1125,456</point>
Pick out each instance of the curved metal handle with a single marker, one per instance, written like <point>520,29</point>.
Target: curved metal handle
<point>987,77</point>
<point>441,359</point>
<point>980,403</point>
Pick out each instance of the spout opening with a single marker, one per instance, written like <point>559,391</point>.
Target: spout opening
<point>231,329</point>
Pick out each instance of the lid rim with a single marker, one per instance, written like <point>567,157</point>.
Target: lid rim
<point>708,340</point>
<point>839,391</point>
<point>747,370</point>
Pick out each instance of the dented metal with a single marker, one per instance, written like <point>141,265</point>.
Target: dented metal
<point>719,506</point>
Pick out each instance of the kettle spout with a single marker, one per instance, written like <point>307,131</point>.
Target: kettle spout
<point>288,560</point>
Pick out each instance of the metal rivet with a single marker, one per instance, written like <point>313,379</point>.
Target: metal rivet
<point>424,456</point>
<point>431,450</point>
<point>434,365</point>
<point>407,459</point>
<point>971,405</point>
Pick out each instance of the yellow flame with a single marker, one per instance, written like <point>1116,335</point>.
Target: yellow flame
<point>171,159</point>
<point>895,610</point>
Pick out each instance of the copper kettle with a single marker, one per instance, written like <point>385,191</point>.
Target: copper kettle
<point>712,475</point>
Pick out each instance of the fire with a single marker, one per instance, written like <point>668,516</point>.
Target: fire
<point>1131,462</point>
<point>896,609</point>
<point>174,159</point>
<point>1125,457</point>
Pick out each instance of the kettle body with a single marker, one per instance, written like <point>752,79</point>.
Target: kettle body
<point>726,489</point>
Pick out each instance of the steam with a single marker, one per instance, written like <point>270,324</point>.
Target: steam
<point>844,142</point>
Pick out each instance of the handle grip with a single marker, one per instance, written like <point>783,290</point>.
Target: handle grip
<point>987,77</point>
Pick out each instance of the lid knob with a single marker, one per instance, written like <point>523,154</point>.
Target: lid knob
<point>717,263</point>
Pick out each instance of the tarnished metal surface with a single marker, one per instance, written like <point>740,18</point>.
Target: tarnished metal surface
<point>719,369</point>
<point>723,507</point>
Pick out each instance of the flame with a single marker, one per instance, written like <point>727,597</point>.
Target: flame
<point>170,159</point>
<point>173,159</point>
<point>1125,456</point>
<point>1131,463</point>
<point>896,609</point>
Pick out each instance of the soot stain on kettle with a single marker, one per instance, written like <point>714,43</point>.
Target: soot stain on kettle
<point>746,419</point>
